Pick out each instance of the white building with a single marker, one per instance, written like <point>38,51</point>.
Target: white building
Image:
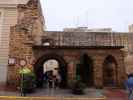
<point>8,18</point>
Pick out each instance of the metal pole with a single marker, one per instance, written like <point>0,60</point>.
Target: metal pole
<point>22,84</point>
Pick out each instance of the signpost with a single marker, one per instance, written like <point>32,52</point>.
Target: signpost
<point>22,64</point>
<point>12,61</point>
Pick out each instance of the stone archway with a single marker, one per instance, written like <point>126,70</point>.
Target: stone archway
<point>38,69</point>
<point>109,71</point>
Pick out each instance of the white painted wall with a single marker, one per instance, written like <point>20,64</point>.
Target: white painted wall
<point>13,1</point>
<point>8,18</point>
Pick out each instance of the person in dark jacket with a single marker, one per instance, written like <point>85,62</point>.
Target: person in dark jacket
<point>129,85</point>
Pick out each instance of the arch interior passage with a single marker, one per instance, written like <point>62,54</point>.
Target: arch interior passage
<point>109,71</point>
<point>86,70</point>
<point>50,65</point>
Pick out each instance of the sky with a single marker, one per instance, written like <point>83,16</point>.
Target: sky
<point>115,14</point>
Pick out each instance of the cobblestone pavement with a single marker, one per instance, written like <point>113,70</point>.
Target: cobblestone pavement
<point>111,94</point>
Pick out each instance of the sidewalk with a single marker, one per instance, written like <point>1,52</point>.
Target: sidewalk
<point>111,94</point>
<point>115,94</point>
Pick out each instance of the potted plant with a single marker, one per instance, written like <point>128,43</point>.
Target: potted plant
<point>27,83</point>
<point>78,87</point>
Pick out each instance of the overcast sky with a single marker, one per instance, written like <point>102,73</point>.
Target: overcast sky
<point>115,14</point>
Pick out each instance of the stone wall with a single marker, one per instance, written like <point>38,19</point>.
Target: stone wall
<point>89,38</point>
<point>23,35</point>
<point>93,39</point>
<point>29,31</point>
<point>72,58</point>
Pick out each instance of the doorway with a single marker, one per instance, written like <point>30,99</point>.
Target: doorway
<point>109,71</point>
<point>87,70</point>
<point>52,65</point>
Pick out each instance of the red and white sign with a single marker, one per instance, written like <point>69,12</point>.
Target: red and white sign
<point>11,61</point>
<point>23,62</point>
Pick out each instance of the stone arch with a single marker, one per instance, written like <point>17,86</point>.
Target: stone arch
<point>87,70</point>
<point>38,69</point>
<point>110,71</point>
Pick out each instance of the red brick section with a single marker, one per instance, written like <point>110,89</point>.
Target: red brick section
<point>115,94</point>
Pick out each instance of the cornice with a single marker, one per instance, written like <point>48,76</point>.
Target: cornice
<point>8,5</point>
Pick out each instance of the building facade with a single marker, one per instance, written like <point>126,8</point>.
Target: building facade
<point>25,39</point>
<point>8,17</point>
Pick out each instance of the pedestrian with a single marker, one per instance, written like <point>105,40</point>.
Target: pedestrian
<point>58,79</point>
<point>45,79</point>
<point>129,85</point>
<point>55,82</point>
<point>50,81</point>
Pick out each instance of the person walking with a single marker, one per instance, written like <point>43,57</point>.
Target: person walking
<point>50,81</point>
<point>55,82</point>
<point>129,85</point>
<point>45,80</point>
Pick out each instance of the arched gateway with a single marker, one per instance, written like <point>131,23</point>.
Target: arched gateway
<point>109,71</point>
<point>94,62</point>
<point>39,69</point>
<point>29,40</point>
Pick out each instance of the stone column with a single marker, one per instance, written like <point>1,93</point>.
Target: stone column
<point>121,72</point>
<point>98,71</point>
<point>71,68</point>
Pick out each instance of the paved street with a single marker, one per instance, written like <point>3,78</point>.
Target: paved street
<point>115,94</point>
<point>111,94</point>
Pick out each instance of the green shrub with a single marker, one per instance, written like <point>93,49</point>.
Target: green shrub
<point>27,83</point>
